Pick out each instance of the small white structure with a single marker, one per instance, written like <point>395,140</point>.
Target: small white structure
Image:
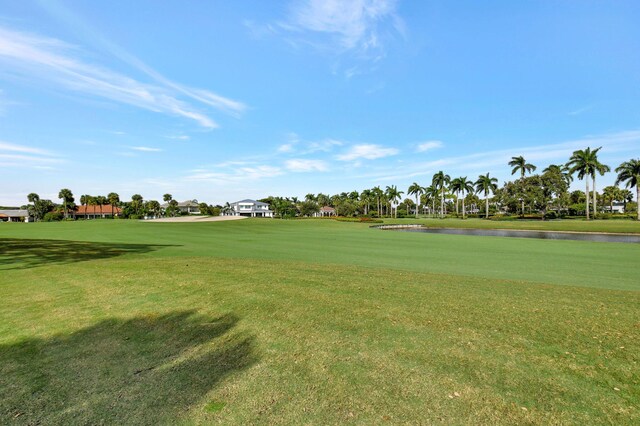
<point>185,207</point>
<point>15,216</point>
<point>325,211</point>
<point>249,208</point>
<point>618,207</point>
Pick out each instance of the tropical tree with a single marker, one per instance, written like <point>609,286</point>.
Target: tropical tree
<point>153,207</point>
<point>378,193</point>
<point>610,193</point>
<point>465,186</point>
<point>519,164</point>
<point>365,198</point>
<point>35,199</point>
<point>583,162</point>
<point>629,172</point>
<point>440,181</point>
<point>486,184</point>
<point>136,201</point>
<point>431,193</point>
<point>393,195</point>
<point>456,187</point>
<point>601,169</point>
<point>416,190</point>
<point>85,201</point>
<point>67,198</point>
<point>114,200</point>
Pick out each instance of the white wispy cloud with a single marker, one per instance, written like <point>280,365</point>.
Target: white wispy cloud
<point>48,60</point>
<point>325,145</point>
<point>350,25</point>
<point>178,137</point>
<point>286,147</point>
<point>367,152</point>
<point>495,161</point>
<point>145,149</point>
<point>234,174</point>
<point>306,165</point>
<point>13,155</point>
<point>428,146</point>
<point>581,110</point>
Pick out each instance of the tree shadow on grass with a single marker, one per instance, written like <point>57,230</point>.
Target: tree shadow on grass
<point>26,253</point>
<point>145,370</point>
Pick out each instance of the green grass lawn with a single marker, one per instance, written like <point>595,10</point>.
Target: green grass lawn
<point>268,321</point>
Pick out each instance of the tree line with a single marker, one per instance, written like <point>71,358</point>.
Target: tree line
<point>136,208</point>
<point>545,194</point>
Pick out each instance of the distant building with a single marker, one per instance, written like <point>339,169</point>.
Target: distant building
<point>186,207</point>
<point>16,215</point>
<point>325,211</point>
<point>250,208</point>
<point>618,207</point>
<point>96,212</point>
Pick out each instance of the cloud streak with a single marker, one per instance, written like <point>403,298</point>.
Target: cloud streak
<point>367,152</point>
<point>55,62</point>
<point>12,155</point>
<point>428,146</point>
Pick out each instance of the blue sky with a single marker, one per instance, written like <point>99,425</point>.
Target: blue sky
<point>221,101</point>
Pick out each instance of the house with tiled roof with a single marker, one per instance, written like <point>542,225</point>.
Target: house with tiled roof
<point>97,212</point>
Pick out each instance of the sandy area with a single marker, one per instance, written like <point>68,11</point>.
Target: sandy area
<point>196,219</point>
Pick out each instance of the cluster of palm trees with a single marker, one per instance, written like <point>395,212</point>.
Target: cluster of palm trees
<point>554,183</point>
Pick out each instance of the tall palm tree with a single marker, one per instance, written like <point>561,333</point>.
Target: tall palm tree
<point>365,199</point>
<point>465,186</point>
<point>519,164</point>
<point>167,199</point>
<point>378,193</point>
<point>417,191</point>
<point>35,199</point>
<point>456,187</point>
<point>67,197</point>
<point>431,193</point>
<point>393,195</point>
<point>600,169</point>
<point>84,201</point>
<point>101,200</point>
<point>486,184</point>
<point>583,162</point>
<point>629,172</point>
<point>114,200</point>
<point>439,182</point>
<point>310,197</point>
<point>136,200</point>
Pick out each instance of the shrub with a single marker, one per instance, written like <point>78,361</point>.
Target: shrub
<point>52,217</point>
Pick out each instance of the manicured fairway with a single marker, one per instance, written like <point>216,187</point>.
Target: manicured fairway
<point>267,321</point>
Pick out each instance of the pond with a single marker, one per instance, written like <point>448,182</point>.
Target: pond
<point>547,235</point>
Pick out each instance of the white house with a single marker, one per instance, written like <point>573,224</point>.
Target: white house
<point>15,215</point>
<point>618,207</point>
<point>186,207</point>
<point>250,208</point>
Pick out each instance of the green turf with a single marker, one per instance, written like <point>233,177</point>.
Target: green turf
<point>266,321</point>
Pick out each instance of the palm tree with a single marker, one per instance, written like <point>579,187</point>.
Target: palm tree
<point>486,184</point>
<point>439,182</point>
<point>84,201</point>
<point>465,186</point>
<point>456,188</point>
<point>378,193</point>
<point>136,200</point>
<point>101,200</point>
<point>114,200</point>
<point>629,172</point>
<point>431,193</point>
<point>310,197</point>
<point>417,191</point>
<point>601,169</point>
<point>584,162</point>
<point>35,199</point>
<point>610,194</point>
<point>365,199</point>
<point>519,164</point>
<point>393,195</point>
<point>67,197</point>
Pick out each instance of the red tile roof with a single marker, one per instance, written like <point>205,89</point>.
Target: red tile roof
<point>106,209</point>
